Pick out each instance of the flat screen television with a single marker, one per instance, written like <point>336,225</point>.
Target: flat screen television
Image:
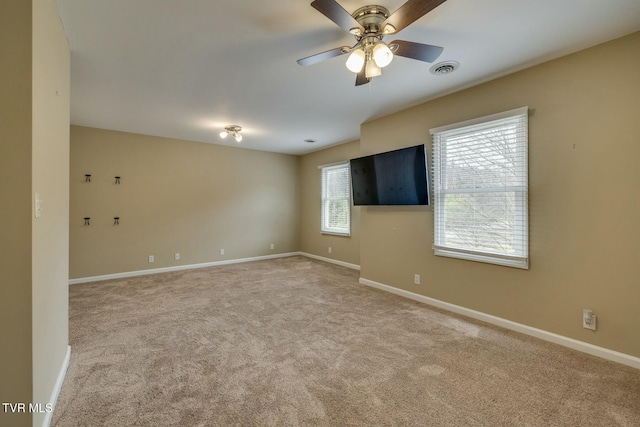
<point>398,177</point>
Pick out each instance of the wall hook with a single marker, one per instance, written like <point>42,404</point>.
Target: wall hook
<point>117,180</point>
<point>116,220</point>
<point>87,220</point>
<point>87,177</point>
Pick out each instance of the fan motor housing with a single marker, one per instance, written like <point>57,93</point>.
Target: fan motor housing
<point>371,18</point>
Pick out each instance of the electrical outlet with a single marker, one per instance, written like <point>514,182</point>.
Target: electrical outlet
<point>273,246</point>
<point>416,279</point>
<point>588,319</point>
<point>176,256</point>
<point>329,249</point>
<point>151,259</point>
<point>221,251</point>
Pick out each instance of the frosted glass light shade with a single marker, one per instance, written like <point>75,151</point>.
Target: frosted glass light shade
<point>382,55</point>
<point>356,61</point>
<point>372,69</point>
<point>224,134</point>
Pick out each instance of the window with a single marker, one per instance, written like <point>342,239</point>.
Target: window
<point>481,189</point>
<point>336,201</point>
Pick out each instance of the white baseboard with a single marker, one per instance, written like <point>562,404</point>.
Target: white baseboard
<point>57,387</point>
<point>128,274</point>
<point>176,268</point>
<point>332,261</point>
<point>584,347</point>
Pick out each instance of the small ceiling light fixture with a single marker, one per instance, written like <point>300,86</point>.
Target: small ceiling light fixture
<point>233,130</point>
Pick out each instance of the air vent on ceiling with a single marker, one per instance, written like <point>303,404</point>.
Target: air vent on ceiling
<point>445,67</point>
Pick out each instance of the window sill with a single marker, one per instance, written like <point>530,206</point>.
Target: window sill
<point>335,233</point>
<point>488,258</point>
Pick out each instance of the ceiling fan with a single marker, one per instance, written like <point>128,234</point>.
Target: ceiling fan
<point>369,25</point>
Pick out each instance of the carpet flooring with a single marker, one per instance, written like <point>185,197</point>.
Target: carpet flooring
<point>298,342</point>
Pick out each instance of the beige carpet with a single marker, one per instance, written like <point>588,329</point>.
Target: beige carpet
<point>295,341</point>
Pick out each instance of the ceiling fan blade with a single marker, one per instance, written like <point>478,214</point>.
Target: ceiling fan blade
<point>323,56</point>
<point>410,12</point>
<point>419,51</point>
<point>361,78</point>
<point>332,10</point>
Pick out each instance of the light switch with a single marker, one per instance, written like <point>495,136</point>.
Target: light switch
<point>38,205</point>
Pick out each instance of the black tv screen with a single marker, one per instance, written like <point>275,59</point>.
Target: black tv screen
<point>396,177</point>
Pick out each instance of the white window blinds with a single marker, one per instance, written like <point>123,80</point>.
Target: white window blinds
<point>336,200</point>
<point>481,189</point>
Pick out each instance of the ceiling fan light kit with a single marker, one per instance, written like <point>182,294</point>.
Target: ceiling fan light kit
<point>369,25</point>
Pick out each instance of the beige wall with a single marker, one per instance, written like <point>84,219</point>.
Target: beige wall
<point>15,212</point>
<point>193,198</point>
<point>50,172</point>
<point>345,249</point>
<point>176,196</point>
<point>584,200</point>
<point>34,152</point>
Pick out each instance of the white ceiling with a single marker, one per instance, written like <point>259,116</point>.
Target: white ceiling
<point>186,68</point>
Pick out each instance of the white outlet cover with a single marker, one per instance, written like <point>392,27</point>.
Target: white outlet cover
<point>589,319</point>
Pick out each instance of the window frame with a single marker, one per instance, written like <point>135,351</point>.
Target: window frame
<point>521,203</point>
<point>324,199</point>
